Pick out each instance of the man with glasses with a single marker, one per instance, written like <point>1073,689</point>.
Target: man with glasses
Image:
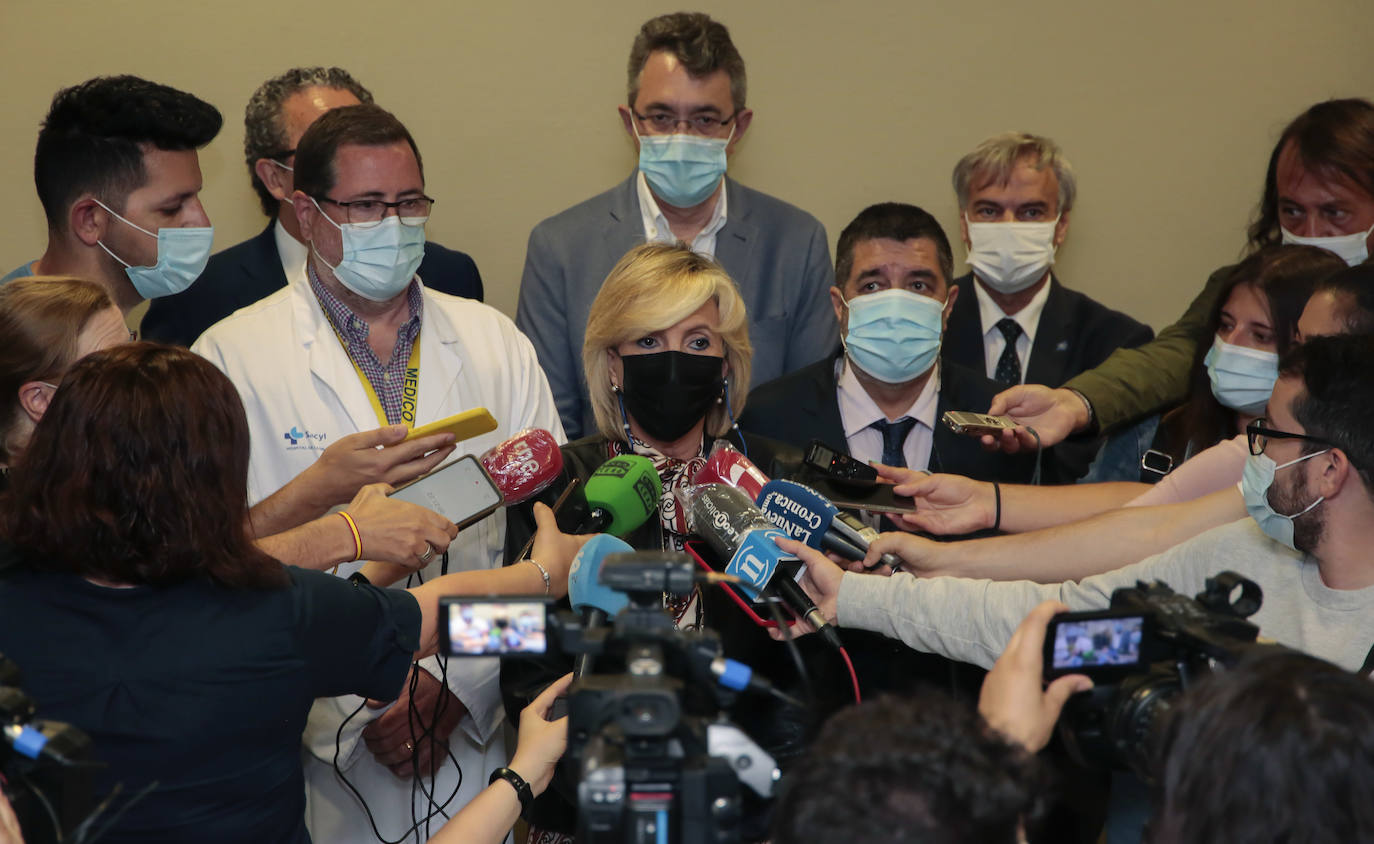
<point>355,340</point>
<point>685,113</point>
<point>278,114</point>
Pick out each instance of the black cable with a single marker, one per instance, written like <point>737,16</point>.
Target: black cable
<point>47,807</point>
<point>1035,477</point>
<point>147,789</point>
<point>795,653</point>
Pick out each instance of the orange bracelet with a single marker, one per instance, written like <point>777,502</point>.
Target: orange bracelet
<point>357,538</point>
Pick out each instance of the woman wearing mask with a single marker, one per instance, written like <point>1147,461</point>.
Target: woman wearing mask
<point>1252,325</point>
<point>139,609</point>
<point>667,360</point>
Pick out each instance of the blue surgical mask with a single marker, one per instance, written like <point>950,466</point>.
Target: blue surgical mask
<point>1254,486</point>
<point>894,335</point>
<point>1351,248</point>
<point>182,254</point>
<point>1242,378</point>
<point>378,261</point>
<point>682,170</point>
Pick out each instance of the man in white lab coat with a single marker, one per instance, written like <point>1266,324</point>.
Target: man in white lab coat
<point>353,341</point>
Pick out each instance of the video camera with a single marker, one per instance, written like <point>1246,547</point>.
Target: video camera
<point>40,770</point>
<point>653,755</point>
<point>1141,654</point>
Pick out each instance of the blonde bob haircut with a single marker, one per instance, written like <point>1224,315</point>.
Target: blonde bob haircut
<point>654,287</point>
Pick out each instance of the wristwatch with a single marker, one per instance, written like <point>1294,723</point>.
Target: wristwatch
<point>517,782</point>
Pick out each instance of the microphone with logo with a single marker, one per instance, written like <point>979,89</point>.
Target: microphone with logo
<point>588,595</point>
<point>810,517</point>
<point>737,530</point>
<point>621,495</point>
<point>728,466</point>
<point>523,465</point>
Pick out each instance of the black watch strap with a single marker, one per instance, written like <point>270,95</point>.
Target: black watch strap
<point>517,782</point>
<point>357,578</point>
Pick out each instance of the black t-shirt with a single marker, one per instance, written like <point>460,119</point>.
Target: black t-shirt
<point>202,688</point>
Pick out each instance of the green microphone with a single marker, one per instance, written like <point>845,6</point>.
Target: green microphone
<point>622,493</point>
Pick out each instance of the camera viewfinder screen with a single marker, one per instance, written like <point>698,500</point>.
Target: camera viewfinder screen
<point>494,628</point>
<point>1098,641</point>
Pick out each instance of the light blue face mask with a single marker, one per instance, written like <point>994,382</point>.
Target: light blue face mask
<point>1242,378</point>
<point>1352,248</point>
<point>682,170</point>
<point>182,254</point>
<point>894,335</point>
<point>378,261</point>
<point>1254,486</point>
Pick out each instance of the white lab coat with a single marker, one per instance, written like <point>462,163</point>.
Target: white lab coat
<point>301,393</point>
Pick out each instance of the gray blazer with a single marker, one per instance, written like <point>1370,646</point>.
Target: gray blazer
<point>775,252</point>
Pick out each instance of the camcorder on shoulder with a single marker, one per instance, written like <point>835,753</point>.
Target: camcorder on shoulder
<point>654,756</point>
<point>1142,653</point>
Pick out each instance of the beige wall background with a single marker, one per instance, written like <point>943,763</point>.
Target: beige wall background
<point>1168,110</point>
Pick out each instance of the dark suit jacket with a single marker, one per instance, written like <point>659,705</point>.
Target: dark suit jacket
<point>803,406</point>
<point>775,252</point>
<point>1075,334</point>
<point>246,272</point>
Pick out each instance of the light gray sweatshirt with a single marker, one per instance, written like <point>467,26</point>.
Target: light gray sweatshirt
<point>972,620</point>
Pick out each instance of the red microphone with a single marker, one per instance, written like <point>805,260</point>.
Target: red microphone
<point>524,465</point>
<point>728,466</point>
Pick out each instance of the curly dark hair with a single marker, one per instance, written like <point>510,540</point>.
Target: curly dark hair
<point>1334,140</point>
<point>701,44</point>
<point>138,475</point>
<point>1281,748</point>
<point>925,768</point>
<point>91,140</point>
<point>1337,400</point>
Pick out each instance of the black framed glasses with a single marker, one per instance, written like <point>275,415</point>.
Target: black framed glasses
<point>664,122</point>
<point>413,211</point>
<point>1258,434</point>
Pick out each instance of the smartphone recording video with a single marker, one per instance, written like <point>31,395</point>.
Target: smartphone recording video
<point>494,626</point>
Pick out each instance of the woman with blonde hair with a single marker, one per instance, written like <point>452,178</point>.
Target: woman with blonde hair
<point>667,358</point>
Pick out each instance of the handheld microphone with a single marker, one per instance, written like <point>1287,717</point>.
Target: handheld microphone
<point>810,517</point>
<point>621,494</point>
<point>523,465</point>
<point>588,594</point>
<point>727,466</point>
<point>735,528</point>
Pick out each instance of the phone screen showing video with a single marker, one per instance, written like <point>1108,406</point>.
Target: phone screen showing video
<point>1097,642</point>
<point>500,627</point>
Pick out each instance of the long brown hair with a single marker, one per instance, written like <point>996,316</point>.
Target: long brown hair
<point>138,474</point>
<point>40,319</point>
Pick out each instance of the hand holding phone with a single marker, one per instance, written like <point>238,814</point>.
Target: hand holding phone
<point>977,424</point>
<point>460,491</point>
<point>463,426</point>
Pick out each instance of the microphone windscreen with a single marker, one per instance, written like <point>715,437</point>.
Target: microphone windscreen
<point>523,465</point>
<point>720,515</point>
<point>800,511</point>
<point>628,488</point>
<point>585,591</point>
<point>756,559</point>
<point>727,466</point>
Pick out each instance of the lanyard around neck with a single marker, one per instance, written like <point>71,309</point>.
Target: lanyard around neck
<point>410,389</point>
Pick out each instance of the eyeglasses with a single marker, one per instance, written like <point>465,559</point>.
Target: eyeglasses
<point>664,122</point>
<point>1258,434</point>
<point>413,211</point>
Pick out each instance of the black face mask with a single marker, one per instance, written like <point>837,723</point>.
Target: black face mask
<point>669,392</point>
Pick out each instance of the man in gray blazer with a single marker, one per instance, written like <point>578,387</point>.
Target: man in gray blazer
<point>686,113</point>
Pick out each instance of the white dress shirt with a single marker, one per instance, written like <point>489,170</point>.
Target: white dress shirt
<point>657,230</point>
<point>993,340</point>
<point>291,251</point>
<point>858,411</point>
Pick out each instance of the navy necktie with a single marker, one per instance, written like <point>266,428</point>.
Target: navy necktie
<point>894,437</point>
<point>1009,364</point>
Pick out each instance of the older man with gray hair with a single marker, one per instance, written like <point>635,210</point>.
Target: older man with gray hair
<point>1019,324</point>
<point>278,113</point>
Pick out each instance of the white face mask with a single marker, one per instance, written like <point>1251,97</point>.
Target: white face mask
<point>1009,257</point>
<point>1351,248</point>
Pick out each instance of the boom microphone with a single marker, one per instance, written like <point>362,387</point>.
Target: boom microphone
<point>622,493</point>
<point>523,465</point>
<point>588,594</point>
<point>735,528</point>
